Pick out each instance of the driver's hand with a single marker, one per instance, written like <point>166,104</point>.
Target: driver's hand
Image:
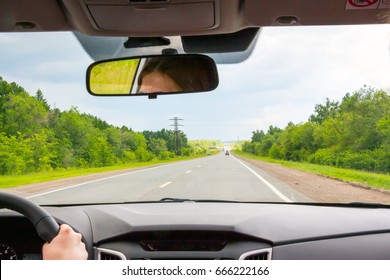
<point>67,245</point>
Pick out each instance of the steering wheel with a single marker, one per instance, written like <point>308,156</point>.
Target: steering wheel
<point>46,226</point>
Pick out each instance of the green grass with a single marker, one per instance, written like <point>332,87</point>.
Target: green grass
<point>368,178</point>
<point>10,181</point>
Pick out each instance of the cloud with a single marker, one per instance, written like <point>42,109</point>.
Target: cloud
<point>47,57</point>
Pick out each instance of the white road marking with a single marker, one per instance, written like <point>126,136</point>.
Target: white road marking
<point>164,185</point>
<point>102,179</point>
<point>199,166</point>
<point>268,184</point>
<point>189,171</point>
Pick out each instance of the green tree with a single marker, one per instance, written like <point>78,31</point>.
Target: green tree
<point>157,146</point>
<point>40,98</point>
<point>257,136</point>
<point>24,114</point>
<point>323,112</point>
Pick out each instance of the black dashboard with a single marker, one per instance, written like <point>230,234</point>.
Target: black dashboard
<point>189,230</point>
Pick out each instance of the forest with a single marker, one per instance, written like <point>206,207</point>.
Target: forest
<point>352,133</point>
<point>37,138</point>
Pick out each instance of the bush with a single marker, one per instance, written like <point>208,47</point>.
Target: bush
<point>129,156</point>
<point>299,155</point>
<point>324,157</point>
<point>276,152</point>
<point>11,164</point>
<point>382,157</point>
<point>143,155</point>
<point>186,152</point>
<point>248,147</point>
<point>166,155</point>
<point>360,161</point>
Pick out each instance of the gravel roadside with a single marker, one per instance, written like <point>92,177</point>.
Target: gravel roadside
<point>321,188</point>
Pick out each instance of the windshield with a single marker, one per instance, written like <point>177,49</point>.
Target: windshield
<point>305,118</point>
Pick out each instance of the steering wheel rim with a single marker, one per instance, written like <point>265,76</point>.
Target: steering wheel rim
<point>45,225</point>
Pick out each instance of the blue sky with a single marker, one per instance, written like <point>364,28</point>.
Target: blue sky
<point>290,70</point>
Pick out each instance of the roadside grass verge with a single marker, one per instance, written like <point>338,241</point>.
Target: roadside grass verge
<point>9,181</point>
<point>371,179</point>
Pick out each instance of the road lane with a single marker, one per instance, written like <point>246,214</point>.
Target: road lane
<point>216,177</point>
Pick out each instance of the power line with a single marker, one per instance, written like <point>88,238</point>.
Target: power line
<point>176,123</point>
<point>176,126</point>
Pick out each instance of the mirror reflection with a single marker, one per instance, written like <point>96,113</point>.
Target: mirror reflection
<point>152,75</point>
<point>113,76</point>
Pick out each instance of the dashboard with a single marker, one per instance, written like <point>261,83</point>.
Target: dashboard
<point>193,230</point>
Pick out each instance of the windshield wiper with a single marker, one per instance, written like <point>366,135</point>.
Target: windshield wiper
<point>367,204</point>
<point>170,199</point>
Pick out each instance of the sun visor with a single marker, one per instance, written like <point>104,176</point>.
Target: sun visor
<point>27,15</point>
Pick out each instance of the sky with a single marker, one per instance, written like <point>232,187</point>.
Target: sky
<point>290,71</point>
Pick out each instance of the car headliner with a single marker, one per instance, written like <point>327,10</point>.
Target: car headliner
<point>225,30</point>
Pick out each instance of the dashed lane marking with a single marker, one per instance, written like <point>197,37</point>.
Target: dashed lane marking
<point>103,179</point>
<point>164,185</point>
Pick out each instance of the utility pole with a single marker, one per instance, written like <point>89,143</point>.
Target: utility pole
<point>176,129</point>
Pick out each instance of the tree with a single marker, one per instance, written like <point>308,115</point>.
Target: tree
<point>257,136</point>
<point>42,146</point>
<point>40,98</point>
<point>24,114</point>
<point>323,112</point>
<point>157,146</point>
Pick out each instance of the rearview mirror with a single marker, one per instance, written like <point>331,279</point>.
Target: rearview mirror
<point>152,75</point>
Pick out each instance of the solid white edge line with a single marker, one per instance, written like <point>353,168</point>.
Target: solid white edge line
<point>102,179</point>
<point>164,185</point>
<point>268,184</point>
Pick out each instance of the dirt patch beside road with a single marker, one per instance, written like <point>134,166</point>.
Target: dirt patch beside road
<point>320,188</point>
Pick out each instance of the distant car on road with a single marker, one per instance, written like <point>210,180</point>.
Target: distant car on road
<point>227,153</point>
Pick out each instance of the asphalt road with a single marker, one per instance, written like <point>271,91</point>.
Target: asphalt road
<point>219,177</point>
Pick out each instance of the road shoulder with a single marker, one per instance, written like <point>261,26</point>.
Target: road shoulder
<point>320,188</point>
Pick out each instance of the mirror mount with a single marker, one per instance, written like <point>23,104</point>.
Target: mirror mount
<point>169,51</point>
<point>141,42</point>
